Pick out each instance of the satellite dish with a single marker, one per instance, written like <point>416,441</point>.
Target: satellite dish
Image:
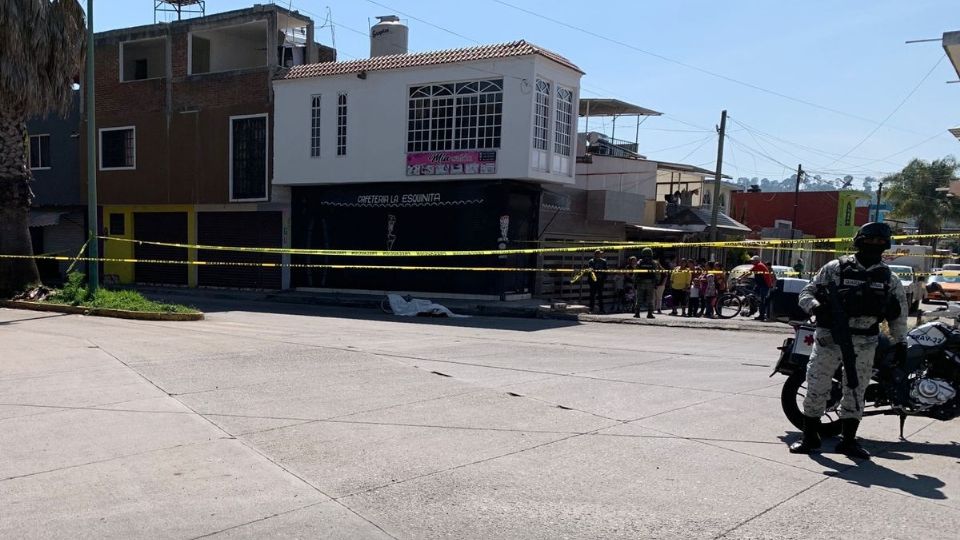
<point>593,137</point>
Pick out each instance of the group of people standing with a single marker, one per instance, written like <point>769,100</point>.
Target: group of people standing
<point>694,286</point>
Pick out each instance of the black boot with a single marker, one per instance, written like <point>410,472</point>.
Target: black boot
<point>848,445</point>
<point>810,440</point>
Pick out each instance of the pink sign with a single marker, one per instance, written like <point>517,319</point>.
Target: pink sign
<point>444,163</point>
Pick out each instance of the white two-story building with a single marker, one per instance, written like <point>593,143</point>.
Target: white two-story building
<point>446,150</point>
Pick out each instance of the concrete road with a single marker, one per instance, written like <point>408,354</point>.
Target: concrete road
<point>269,421</point>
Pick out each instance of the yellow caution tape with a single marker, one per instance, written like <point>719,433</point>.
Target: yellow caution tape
<point>487,252</point>
<point>578,272</point>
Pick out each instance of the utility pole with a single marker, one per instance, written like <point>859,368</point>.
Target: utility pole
<point>796,200</point>
<point>876,215</point>
<point>717,178</point>
<point>93,249</point>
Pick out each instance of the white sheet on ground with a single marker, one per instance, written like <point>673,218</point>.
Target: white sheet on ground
<point>415,306</point>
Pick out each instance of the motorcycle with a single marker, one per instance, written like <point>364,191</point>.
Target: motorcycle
<point>925,385</point>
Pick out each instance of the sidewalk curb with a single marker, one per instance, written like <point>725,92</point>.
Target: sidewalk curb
<point>102,312</point>
<point>670,322</point>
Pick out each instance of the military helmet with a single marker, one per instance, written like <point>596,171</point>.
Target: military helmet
<point>646,252</point>
<point>873,230</point>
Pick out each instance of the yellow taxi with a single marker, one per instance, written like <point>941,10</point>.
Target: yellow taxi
<point>944,286</point>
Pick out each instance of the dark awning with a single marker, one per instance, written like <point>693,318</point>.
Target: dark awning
<point>700,217</point>
<point>42,218</point>
<point>613,107</point>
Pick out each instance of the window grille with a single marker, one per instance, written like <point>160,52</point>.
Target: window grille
<point>455,116</point>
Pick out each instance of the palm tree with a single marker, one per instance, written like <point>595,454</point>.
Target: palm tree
<point>41,51</point>
<point>917,192</point>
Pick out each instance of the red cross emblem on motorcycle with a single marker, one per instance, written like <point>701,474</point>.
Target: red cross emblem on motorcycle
<point>808,339</point>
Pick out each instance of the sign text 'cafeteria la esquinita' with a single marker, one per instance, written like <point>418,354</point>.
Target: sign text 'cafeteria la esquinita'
<point>406,198</point>
<point>450,163</point>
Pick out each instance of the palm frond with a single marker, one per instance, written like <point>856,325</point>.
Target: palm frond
<point>42,49</point>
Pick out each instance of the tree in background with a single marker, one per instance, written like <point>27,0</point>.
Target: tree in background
<point>913,194</point>
<point>41,51</point>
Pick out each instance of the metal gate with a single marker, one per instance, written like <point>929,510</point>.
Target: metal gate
<point>160,227</point>
<point>243,229</point>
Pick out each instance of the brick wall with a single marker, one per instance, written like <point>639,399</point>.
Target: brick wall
<point>181,147</point>
<point>114,96</point>
<point>228,89</point>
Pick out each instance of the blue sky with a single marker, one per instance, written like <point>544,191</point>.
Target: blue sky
<point>847,56</point>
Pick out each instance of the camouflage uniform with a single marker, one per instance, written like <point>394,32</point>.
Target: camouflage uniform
<point>826,356</point>
<point>648,275</point>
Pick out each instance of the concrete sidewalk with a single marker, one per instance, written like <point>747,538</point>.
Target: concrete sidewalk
<point>278,421</point>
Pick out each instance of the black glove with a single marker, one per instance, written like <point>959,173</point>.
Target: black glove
<point>822,311</point>
<point>900,354</point>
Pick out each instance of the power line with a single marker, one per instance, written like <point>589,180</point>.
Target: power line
<point>678,146</point>
<point>758,152</point>
<point>671,117</point>
<point>907,149</point>
<point>765,155</point>
<point>862,169</point>
<point>693,67</point>
<point>694,151</point>
<point>428,23</point>
<point>472,40</point>
<point>894,111</point>
<point>733,159</point>
<point>365,34</point>
<point>818,151</point>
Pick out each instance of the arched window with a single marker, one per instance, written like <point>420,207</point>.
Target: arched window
<point>706,197</point>
<point>723,201</point>
<point>848,215</point>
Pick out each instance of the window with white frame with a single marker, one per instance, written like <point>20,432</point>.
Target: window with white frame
<point>248,157</point>
<point>342,125</point>
<point>315,126</point>
<point>541,118</point>
<point>39,152</point>
<point>564,122</point>
<point>118,148</point>
<point>455,116</point>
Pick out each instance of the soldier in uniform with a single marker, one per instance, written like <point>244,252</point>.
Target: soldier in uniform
<point>648,275</point>
<point>598,268</point>
<point>869,293</point>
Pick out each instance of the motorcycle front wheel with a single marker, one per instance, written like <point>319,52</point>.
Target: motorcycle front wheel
<point>791,400</point>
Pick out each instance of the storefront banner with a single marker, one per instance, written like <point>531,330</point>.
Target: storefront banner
<point>451,163</point>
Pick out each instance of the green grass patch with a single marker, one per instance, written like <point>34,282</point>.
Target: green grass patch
<point>75,293</point>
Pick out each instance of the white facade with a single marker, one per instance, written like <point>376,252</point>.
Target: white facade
<point>309,144</point>
<point>637,176</point>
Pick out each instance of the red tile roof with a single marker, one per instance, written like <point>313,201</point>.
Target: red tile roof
<point>450,56</point>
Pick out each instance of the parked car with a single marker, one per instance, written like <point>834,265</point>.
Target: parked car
<point>914,288</point>
<point>944,286</point>
<point>951,266</point>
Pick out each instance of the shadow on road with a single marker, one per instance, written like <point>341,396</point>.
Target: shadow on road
<point>870,473</point>
<point>35,318</point>
<point>211,305</point>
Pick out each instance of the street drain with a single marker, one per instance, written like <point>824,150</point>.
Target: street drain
<point>514,394</point>
<point>441,374</point>
<point>564,408</point>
